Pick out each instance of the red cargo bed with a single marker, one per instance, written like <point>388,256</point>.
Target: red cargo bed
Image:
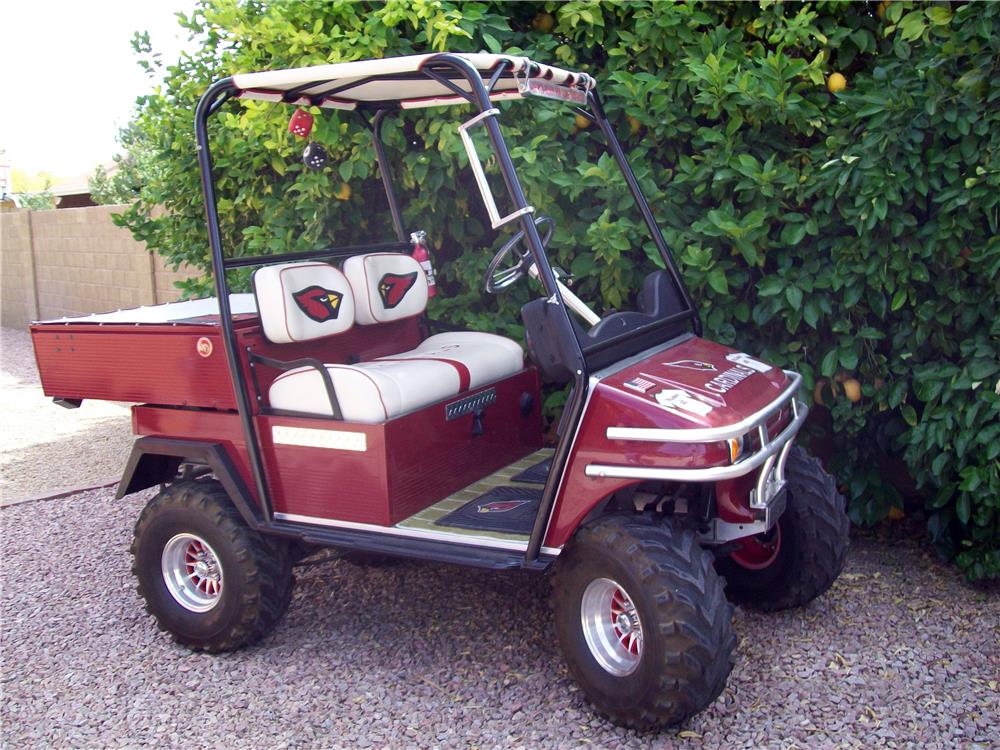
<point>162,354</point>
<point>173,355</point>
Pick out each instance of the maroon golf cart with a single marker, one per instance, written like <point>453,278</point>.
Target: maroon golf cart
<point>325,410</point>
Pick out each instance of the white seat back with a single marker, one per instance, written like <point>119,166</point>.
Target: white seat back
<point>387,287</point>
<point>303,301</point>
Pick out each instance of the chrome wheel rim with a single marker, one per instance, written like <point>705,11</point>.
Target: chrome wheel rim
<point>611,627</point>
<point>192,572</point>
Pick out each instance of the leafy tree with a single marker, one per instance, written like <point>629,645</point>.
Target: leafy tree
<point>33,191</point>
<point>850,235</point>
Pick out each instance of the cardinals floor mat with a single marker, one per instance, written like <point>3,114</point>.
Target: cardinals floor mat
<point>536,474</point>
<point>509,510</point>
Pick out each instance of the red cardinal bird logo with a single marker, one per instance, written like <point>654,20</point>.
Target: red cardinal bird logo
<point>692,364</point>
<point>500,506</point>
<point>318,303</point>
<point>393,287</point>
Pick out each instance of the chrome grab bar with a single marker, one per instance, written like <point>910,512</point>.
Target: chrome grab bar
<point>713,434</point>
<point>713,473</point>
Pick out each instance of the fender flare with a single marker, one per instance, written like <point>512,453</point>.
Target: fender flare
<point>155,460</point>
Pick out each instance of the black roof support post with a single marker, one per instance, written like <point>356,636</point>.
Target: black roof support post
<point>386,173</point>
<point>643,204</point>
<point>572,353</point>
<point>224,89</point>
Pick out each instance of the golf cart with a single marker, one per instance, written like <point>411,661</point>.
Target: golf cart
<point>323,411</point>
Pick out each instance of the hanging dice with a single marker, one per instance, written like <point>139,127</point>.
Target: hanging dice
<point>301,124</point>
<point>315,156</point>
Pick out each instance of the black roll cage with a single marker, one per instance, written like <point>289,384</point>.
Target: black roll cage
<point>444,68</point>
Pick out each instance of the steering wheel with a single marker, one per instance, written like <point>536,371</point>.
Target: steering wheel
<point>497,277</point>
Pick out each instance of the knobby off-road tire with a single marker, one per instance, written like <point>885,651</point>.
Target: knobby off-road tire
<point>813,543</point>
<point>684,619</point>
<point>238,583</point>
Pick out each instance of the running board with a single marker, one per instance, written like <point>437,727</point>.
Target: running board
<point>408,547</point>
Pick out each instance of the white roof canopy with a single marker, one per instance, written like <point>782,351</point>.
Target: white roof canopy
<point>399,81</point>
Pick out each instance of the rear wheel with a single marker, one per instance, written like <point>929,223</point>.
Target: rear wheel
<point>802,556</point>
<point>642,621</point>
<point>208,579</point>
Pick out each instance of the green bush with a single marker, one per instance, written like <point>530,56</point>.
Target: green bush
<point>849,235</point>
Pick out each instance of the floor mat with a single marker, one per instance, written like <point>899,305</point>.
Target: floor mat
<point>536,474</point>
<point>507,509</point>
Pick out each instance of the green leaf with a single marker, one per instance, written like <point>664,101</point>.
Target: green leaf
<point>829,363</point>
<point>963,508</point>
<point>770,286</point>
<point>792,234</point>
<point>794,296</point>
<point>717,280</point>
<point>811,311</point>
<point>912,25</point>
<point>909,414</point>
<point>898,300</point>
<point>939,15</point>
<point>492,44</point>
<point>980,369</point>
<point>848,359</point>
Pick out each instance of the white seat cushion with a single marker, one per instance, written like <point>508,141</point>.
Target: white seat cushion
<point>373,392</point>
<point>479,358</point>
<point>370,392</point>
<point>387,286</point>
<point>303,301</point>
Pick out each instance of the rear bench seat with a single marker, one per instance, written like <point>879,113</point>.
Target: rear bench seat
<point>304,301</point>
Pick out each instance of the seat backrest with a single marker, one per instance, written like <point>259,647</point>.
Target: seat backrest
<point>387,286</point>
<point>302,301</point>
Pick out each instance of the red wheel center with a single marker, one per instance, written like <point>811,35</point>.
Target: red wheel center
<point>624,624</point>
<point>200,569</point>
<point>758,552</point>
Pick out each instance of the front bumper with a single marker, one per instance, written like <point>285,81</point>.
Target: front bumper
<point>767,498</point>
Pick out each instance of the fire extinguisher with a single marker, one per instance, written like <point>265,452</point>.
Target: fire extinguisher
<point>423,257</point>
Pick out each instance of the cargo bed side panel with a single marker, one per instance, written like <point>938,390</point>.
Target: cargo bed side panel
<point>161,364</point>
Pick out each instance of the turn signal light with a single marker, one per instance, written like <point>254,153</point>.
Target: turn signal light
<point>735,449</point>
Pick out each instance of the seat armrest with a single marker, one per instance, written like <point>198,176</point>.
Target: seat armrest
<point>294,364</point>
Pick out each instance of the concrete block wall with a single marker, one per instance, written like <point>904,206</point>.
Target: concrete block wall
<point>17,272</point>
<point>76,261</point>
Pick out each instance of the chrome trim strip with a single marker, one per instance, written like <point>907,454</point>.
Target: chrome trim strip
<point>709,474</point>
<point>439,536</point>
<point>712,434</point>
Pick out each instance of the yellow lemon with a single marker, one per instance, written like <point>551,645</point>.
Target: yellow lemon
<point>543,22</point>
<point>852,389</point>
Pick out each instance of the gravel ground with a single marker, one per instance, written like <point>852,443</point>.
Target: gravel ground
<point>900,653</point>
<point>45,448</point>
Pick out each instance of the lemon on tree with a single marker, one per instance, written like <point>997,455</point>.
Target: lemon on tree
<point>852,389</point>
<point>543,22</point>
<point>836,83</point>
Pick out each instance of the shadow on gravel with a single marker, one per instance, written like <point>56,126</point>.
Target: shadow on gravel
<point>899,653</point>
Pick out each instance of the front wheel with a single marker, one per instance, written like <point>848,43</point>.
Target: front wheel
<point>209,580</point>
<point>642,621</point>
<point>802,556</point>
